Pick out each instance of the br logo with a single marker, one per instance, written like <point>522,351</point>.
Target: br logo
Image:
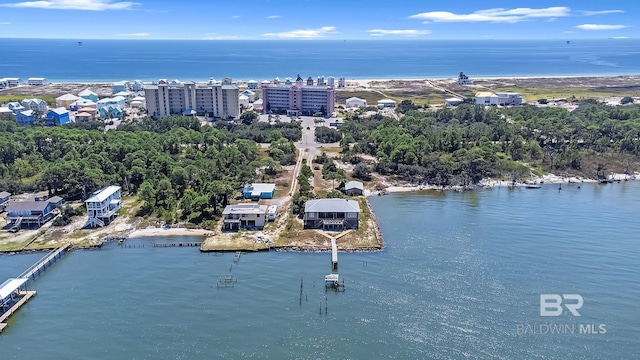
<point>552,304</point>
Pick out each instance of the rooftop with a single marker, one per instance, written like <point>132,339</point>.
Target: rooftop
<point>103,194</point>
<point>260,187</point>
<point>353,185</point>
<point>4,194</point>
<point>10,286</point>
<point>27,205</point>
<point>332,205</point>
<point>245,209</point>
<point>484,93</point>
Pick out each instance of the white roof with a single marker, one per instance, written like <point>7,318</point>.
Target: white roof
<point>37,79</point>
<point>67,97</point>
<point>118,98</point>
<point>243,97</point>
<point>138,98</point>
<point>245,209</point>
<point>355,99</point>
<point>5,110</point>
<point>260,187</point>
<point>86,92</point>
<point>353,185</point>
<point>10,286</point>
<point>60,111</point>
<point>332,205</point>
<point>386,101</point>
<point>103,194</point>
<point>122,93</point>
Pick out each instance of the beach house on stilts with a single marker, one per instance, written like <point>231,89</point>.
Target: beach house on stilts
<point>103,206</point>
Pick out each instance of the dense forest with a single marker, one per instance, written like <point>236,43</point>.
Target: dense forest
<point>463,145</point>
<point>172,164</point>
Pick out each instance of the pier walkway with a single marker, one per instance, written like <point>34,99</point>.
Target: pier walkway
<point>26,296</point>
<point>34,270</point>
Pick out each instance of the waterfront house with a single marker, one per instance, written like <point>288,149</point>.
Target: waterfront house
<point>103,206</point>
<point>354,102</point>
<point>58,116</point>
<point>4,83</point>
<point>66,100</point>
<point>464,79</point>
<point>29,212</point>
<point>27,117</point>
<point>88,94</point>
<point>252,84</point>
<point>354,188</point>
<point>12,82</point>
<point>36,81</point>
<point>258,191</point>
<point>244,216</point>
<point>6,113</point>
<point>331,214</point>
<point>35,105</point>
<point>4,199</point>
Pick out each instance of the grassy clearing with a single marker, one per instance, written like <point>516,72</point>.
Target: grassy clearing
<point>5,98</point>
<point>579,93</point>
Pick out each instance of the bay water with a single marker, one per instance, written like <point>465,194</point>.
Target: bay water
<point>64,60</point>
<point>460,276</point>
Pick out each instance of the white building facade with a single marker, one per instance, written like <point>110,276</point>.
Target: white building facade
<point>103,206</point>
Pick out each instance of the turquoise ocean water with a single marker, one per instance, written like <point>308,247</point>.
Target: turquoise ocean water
<point>113,60</point>
<point>459,274</point>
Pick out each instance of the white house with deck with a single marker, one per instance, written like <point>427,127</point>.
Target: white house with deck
<point>103,206</point>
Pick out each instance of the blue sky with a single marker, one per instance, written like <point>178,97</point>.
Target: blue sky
<point>317,20</point>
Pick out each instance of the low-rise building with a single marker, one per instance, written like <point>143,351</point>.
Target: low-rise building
<point>244,216</point>
<point>258,191</point>
<point>272,212</point>
<point>27,117</point>
<point>250,95</point>
<point>36,81</point>
<point>354,188</point>
<point>464,79</point>
<point>119,86</point>
<point>12,82</point>
<point>6,113</point>
<point>354,102</point>
<point>252,84</point>
<point>137,85</point>
<point>35,105</point>
<point>59,116</point>
<point>386,103</point>
<point>29,213</point>
<point>103,206</point>
<point>88,94</point>
<point>453,102</point>
<point>331,214</point>
<point>487,98</point>
<point>66,100</point>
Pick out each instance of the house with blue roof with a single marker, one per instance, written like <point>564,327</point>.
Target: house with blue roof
<point>27,117</point>
<point>58,116</point>
<point>258,191</point>
<point>111,111</point>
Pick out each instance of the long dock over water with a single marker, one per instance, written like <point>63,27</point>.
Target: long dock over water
<point>14,293</point>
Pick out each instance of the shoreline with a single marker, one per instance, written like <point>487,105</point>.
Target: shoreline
<point>361,80</point>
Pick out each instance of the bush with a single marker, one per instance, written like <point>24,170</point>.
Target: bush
<point>626,100</point>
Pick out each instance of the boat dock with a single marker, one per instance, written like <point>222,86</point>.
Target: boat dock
<point>178,244</point>
<point>14,292</point>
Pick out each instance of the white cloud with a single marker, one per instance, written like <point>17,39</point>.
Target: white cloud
<point>383,32</point>
<point>596,27</point>
<point>141,34</point>
<point>600,12</point>
<point>5,23</point>
<point>620,37</point>
<point>302,34</point>
<point>272,17</point>
<point>235,17</point>
<point>494,15</point>
<point>92,5</point>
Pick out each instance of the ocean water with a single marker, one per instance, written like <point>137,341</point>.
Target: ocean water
<point>113,60</point>
<point>459,273</point>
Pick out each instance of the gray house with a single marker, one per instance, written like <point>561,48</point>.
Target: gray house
<point>331,214</point>
<point>244,216</point>
<point>354,188</point>
<point>29,212</point>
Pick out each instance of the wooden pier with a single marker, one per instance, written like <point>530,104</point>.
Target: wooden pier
<point>334,255</point>
<point>178,244</point>
<point>26,296</point>
<point>34,271</point>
